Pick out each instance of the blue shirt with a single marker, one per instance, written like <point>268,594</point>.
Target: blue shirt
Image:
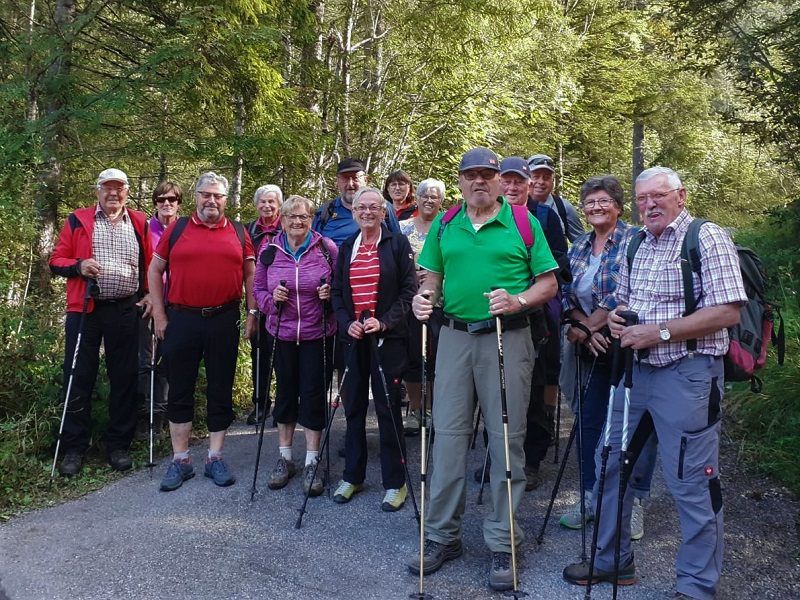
<point>341,224</point>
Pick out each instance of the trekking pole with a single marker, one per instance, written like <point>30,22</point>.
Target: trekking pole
<point>475,431</point>
<point>151,464</point>
<point>325,445</point>
<point>557,429</point>
<point>421,595</point>
<point>257,382</point>
<point>601,481</point>
<point>630,319</point>
<point>91,290</point>
<point>374,347</point>
<point>515,591</point>
<point>269,383</point>
<point>326,471</point>
<point>483,475</point>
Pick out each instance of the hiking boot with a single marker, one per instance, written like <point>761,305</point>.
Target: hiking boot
<point>532,480</point>
<point>434,555</point>
<point>572,518</point>
<point>311,485</point>
<point>637,520</point>
<point>284,470</point>
<point>411,424</point>
<point>218,470</point>
<point>500,576</point>
<point>257,415</point>
<point>394,499</point>
<point>177,472</point>
<point>345,491</point>
<point>578,574</point>
<point>120,460</point>
<point>71,463</point>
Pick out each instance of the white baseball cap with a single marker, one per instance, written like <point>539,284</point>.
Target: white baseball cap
<point>112,175</point>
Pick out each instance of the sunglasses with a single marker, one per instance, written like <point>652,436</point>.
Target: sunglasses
<point>162,199</point>
<point>542,160</point>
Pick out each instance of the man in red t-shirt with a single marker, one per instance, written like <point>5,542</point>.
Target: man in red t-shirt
<point>206,266</point>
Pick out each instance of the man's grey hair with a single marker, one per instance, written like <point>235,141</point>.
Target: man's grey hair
<point>430,184</point>
<point>211,177</point>
<point>296,200</point>
<point>673,179</point>
<point>370,190</point>
<point>266,189</point>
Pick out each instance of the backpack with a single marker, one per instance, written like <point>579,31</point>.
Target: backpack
<point>750,338</point>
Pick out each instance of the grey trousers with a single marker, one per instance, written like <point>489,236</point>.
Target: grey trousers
<point>683,400</point>
<point>467,364</point>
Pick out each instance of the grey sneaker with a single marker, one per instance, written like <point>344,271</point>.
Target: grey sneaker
<point>572,518</point>
<point>217,469</point>
<point>411,424</point>
<point>177,472</point>
<point>284,470</point>
<point>637,520</point>
<point>501,577</point>
<point>434,555</point>
<point>311,485</point>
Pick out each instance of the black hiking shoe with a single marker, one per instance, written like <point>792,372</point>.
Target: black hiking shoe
<point>578,574</point>
<point>501,577</point>
<point>120,460</point>
<point>71,463</point>
<point>434,555</point>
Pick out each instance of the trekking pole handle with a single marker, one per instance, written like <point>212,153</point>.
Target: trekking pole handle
<point>631,318</point>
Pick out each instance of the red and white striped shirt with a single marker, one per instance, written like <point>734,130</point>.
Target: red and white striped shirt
<point>365,270</point>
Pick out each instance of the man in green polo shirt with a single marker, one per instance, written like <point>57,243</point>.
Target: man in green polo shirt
<point>486,269</point>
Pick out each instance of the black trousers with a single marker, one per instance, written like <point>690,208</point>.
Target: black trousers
<point>189,339</point>
<point>260,364</point>
<point>301,385</point>
<point>115,325</point>
<point>356,402</point>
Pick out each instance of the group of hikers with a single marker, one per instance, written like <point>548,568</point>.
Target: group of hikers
<point>499,303</point>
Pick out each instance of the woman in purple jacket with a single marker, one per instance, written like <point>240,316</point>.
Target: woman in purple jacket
<point>292,285</point>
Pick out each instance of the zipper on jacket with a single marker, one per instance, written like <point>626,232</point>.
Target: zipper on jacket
<point>297,296</point>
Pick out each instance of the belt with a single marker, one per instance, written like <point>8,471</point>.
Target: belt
<point>488,326</point>
<point>115,300</point>
<point>206,311</point>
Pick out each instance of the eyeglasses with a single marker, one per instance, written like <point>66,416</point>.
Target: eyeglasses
<point>433,197</point>
<point>370,209</point>
<point>398,184</point>
<point>601,202</point>
<point>542,160</point>
<point>656,196</point>
<point>301,218</point>
<point>162,199</point>
<point>485,174</point>
<point>209,195</point>
<point>109,187</point>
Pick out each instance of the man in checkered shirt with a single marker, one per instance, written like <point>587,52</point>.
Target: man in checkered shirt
<point>108,243</point>
<point>675,390</point>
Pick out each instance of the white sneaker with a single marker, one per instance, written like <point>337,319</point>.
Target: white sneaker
<point>572,518</point>
<point>637,520</point>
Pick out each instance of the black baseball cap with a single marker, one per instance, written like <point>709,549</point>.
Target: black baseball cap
<point>349,165</point>
<point>515,164</point>
<point>479,158</point>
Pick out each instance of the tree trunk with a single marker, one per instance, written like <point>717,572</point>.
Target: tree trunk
<point>638,166</point>
<point>236,184</point>
<point>54,136</point>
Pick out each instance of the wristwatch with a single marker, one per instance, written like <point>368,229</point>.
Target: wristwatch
<point>522,301</point>
<point>253,311</point>
<point>664,333</point>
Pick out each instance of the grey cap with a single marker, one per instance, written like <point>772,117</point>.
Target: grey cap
<point>479,158</point>
<point>541,161</point>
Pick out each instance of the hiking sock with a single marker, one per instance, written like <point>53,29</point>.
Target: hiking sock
<point>180,455</point>
<point>212,454</point>
<point>286,452</point>
<point>311,456</point>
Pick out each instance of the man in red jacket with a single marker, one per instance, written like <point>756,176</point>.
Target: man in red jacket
<point>108,243</point>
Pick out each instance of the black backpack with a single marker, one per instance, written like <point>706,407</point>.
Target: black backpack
<point>750,339</point>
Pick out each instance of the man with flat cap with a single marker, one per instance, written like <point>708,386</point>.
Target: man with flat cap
<point>334,219</point>
<point>481,265</point>
<point>106,243</point>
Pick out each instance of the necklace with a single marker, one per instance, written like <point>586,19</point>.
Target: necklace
<point>370,248</point>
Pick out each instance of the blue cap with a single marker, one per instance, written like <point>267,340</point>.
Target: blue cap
<point>479,158</point>
<point>515,164</point>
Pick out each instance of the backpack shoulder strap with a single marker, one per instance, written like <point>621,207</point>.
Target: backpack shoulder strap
<point>239,233</point>
<point>523,223</point>
<point>690,263</point>
<point>448,216</point>
<point>558,201</point>
<point>268,256</point>
<point>180,225</point>
<point>74,222</point>
<point>325,213</point>
<point>633,247</point>
<point>323,247</point>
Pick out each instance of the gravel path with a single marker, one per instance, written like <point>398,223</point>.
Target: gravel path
<point>131,541</point>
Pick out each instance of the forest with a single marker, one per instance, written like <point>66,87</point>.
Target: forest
<point>278,92</point>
